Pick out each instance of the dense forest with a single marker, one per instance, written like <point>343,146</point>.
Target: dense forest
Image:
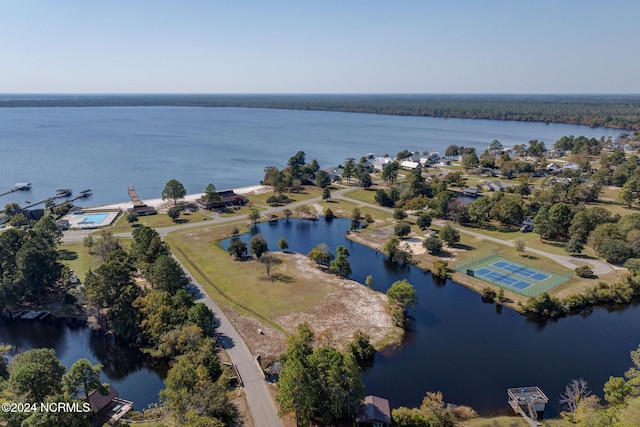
<point>614,111</point>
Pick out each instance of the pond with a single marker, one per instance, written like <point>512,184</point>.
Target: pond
<point>138,378</point>
<point>469,350</point>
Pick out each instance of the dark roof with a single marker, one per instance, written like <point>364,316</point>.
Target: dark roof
<point>99,401</point>
<point>374,409</point>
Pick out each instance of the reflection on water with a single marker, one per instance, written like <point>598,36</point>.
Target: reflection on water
<point>469,350</point>
<point>135,376</point>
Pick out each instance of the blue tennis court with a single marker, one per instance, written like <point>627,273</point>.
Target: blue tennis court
<point>521,270</point>
<point>503,279</point>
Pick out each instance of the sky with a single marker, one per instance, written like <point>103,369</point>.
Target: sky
<point>343,46</point>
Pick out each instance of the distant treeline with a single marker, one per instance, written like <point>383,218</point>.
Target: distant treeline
<point>614,111</point>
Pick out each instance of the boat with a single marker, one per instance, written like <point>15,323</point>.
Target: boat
<point>63,192</point>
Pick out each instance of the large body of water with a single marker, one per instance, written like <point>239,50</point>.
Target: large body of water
<point>108,148</point>
<point>469,350</point>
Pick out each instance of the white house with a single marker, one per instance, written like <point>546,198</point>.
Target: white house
<point>407,164</point>
<point>381,162</point>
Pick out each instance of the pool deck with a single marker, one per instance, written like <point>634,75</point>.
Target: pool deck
<point>76,220</point>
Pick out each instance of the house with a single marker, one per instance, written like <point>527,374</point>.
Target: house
<point>374,412</point>
<point>470,191</point>
<point>109,407</point>
<point>496,186</point>
<point>410,165</point>
<point>227,198</point>
<point>381,162</point>
<point>336,174</point>
<point>143,210</point>
<point>571,166</point>
<point>628,148</point>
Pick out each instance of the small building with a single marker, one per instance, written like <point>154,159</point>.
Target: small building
<point>410,165</point>
<point>336,174</point>
<point>374,412</point>
<point>109,407</point>
<point>470,191</point>
<point>527,401</point>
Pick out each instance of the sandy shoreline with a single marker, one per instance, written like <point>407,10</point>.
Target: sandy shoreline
<point>157,203</point>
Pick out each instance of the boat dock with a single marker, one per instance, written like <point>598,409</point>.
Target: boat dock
<point>527,402</point>
<point>133,195</point>
<point>21,186</point>
<point>31,315</point>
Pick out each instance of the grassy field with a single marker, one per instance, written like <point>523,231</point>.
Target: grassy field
<point>155,221</point>
<point>514,421</point>
<point>256,294</point>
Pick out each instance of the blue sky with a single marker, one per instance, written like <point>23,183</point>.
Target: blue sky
<point>188,46</point>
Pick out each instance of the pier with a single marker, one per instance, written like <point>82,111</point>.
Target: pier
<point>527,402</point>
<point>60,194</point>
<point>18,187</point>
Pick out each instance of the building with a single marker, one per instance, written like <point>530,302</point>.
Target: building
<point>410,165</point>
<point>108,408</point>
<point>374,412</point>
<point>470,191</point>
<point>380,163</point>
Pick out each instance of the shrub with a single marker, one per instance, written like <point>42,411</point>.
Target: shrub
<point>399,214</point>
<point>488,294</point>
<point>440,268</point>
<point>432,244</point>
<point>402,230</point>
<point>584,271</point>
<point>424,221</point>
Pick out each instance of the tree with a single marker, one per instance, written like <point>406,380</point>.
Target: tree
<point>165,274</point>
<point>390,173</point>
<point>615,251</point>
<point>237,248</point>
<point>201,316</point>
<point>391,247</point>
<point>616,391</point>
<point>440,268</point>
<point>258,245</point>
<point>283,244</point>
<point>402,229</point>
<point>360,346</point>
<point>574,245</point>
<point>269,261</point>
<point>287,212</point>
<point>88,242</point>
<point>36,374</point>
<point>356,218</point>
<point>326,193</point>
<point>328,214</point>
<point>495,145</point>
<point>449,234</point>
<point>147,245</point>
<point>432,244</point>
<point>105,244</point>
<point>173,190</point>
<point>423,221</point>
<point>322,179</point>
<point>132,217</point>
<point>211,196</point>
<point>574,392</point>
<point>47,229</point>
<point>348,171</point>
<point>83,377</point>
<point>403,294</point>
<point>520,246</point>
<point>174,213</point>
<point>470,161</point>
<point>340,265</point>
<point>254,217</point>
<point>399,214</point>
<point>364,180</point>
<point>369,281</point>
<point>320,254</point>
<point>295,384</point>
<point>510,212</point>
<point>38,266</point>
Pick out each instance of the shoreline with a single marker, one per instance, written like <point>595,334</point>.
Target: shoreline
<point>158,203</point>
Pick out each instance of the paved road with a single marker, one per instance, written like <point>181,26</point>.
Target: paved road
<point>263,410</point>
<point>258,397</point>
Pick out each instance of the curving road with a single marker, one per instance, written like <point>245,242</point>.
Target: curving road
<point>259,399</point>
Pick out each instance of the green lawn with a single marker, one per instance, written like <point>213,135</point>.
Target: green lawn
<point>255,294</point>
<point>154,221</point>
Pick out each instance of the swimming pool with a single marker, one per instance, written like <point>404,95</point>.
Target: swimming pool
<point>90,219</point>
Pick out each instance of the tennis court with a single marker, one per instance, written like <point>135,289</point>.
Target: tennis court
<point>510,275</point>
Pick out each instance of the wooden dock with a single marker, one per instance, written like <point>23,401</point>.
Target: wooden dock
<point>527,402</point>
<point>133,195</point>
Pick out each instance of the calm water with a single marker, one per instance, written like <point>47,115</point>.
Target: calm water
<point>469,350</point>
<point>136,377</point>
<point>108,148</point>
<point>457,344</point>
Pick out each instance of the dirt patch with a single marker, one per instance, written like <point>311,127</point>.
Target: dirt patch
<point>347,308</point>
